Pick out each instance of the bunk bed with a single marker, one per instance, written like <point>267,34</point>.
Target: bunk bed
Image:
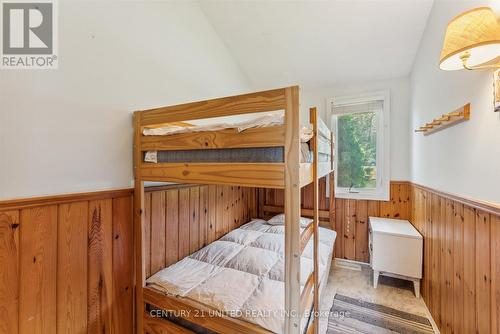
<point>265,152</point>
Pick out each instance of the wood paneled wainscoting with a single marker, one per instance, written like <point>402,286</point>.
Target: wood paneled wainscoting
<point>67,261</point>
<point>183,219</point>
<point>66,264</point>
<point>461,283</point>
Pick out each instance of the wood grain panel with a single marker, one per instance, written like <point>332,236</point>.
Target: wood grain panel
<point>339,227</point>
<point>442,252</point>
<point>183,223</point>
<point>233,214</point>
<point>157,231</point>
<point>226,223</point>
<point>100,267</point>
<point>203,216</point>
<point>386,208</point>
<point>469,270</point>
<point>361,241</point>
<point>349,235</point>
<point>172,227</point>
<point>72,268</point>
<point>426,233</point>
<point>123,266</point>
<point>38,268</point>
<point>219,216</point>
<point>212,213</point>
<point>448,267</point>
<point>458,265</point>
<point>194,220</point>
<point>483,275</point>
<point>253,203</point>
<point>9,275</point>
<point>435,258</point>
<point>238,206</point>
<point>495,274</point>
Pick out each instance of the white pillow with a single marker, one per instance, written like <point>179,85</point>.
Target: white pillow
<point>280,220</point>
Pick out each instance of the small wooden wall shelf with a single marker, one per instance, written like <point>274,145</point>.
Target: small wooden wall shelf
<point>446,120</point>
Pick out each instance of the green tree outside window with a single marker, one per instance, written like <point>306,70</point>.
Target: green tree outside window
<point>357,161</point>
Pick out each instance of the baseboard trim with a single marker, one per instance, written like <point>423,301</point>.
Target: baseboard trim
<point>349,264</point>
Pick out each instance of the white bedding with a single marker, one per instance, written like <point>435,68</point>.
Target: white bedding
<point>266,120</point>
<point>243,273</point>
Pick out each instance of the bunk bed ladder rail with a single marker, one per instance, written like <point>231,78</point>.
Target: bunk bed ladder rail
<point>292,211</point>
<point>312,283</point>
<point>314,121</point>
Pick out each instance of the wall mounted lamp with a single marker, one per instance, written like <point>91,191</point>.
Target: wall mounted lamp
<point>472,41</point>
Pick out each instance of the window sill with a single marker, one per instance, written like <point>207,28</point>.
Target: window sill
<point>378,196</point>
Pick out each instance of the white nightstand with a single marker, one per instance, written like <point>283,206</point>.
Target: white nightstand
<point>395,250</point>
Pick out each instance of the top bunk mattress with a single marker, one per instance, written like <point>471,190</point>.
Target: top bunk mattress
<point>240,123</point>
<point>234,155</point>
<point>242,274</point>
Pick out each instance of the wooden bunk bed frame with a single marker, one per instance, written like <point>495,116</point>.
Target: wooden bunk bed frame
<point>289,175</point>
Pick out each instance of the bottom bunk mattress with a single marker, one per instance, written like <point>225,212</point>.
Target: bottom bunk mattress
<point>242,274</point>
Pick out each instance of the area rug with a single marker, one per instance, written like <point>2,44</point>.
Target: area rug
<point>350,315</point>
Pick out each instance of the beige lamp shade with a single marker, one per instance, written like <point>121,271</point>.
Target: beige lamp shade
<point>474,35</point>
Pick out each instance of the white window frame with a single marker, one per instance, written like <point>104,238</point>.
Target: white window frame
<point>382,191</point>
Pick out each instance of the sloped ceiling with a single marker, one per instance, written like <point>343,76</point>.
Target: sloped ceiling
<point>318,43</point>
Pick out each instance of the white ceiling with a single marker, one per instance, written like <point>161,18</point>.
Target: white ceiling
<point>317,43</point>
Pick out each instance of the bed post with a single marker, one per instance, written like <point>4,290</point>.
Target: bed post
<point>292,211</point>
<point>313,118</point>
<point>138,215</point>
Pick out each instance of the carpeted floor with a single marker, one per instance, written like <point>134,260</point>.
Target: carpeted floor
<point>392,293</point>
<point>351,315</point>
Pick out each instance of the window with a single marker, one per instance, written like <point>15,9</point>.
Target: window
<point>361,126</point>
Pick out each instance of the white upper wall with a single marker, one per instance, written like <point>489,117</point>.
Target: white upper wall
<point>463,159</point>
<point>400,107</point>
<point>70,130</point>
